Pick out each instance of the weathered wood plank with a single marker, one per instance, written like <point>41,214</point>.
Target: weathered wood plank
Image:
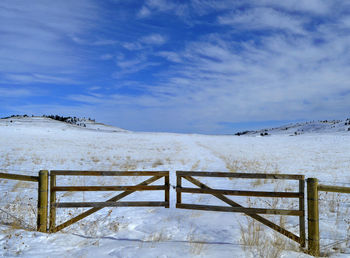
<point>110,188</point>
<point>93,210</point>
<point>52,219</point>
<point>178,185</point>
<point>108,173</point>
<point>239,193</point>
<point>335,189</point>
<point>240,175</point>
<point>107,204</point>
<point>167,191</point>
<point>313,217</point>
<point>19,177</point>
<point>257,217</point>
<point>302,232</point>
<point>42,200</point>
<point>239,209</point>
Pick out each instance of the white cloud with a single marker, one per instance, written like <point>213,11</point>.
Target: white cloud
<point>14,93</point>
<point>144,12</point>
<point>144,42</point>
<point>95,42</point>
<point>35,77</point>
<point>319,7</point>
<point>106,57</point>
<point>162,6</point>
<point>263,18</point>
<point>35,35</point>
<point>129,66</point>
<point>171,56</point>
<point>133,45</point>
<point>154,39</point>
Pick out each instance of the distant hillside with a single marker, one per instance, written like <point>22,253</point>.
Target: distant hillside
<point>56,121</point>
<point>323,126</point>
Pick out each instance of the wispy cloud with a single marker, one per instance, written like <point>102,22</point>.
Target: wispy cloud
<point>264,18</point>
<point>14,93</point>
<point>35,77</point>
<point>35,36</point>
<point>154,39</point>
<point>161,6</point>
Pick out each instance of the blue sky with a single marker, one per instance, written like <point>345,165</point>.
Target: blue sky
<point>197,66</point>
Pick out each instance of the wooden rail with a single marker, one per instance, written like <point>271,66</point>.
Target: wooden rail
<point>240,175</point>
<point>113,202</point>
<point>240,209</point>
<point>109,188</point>
<point>107,204</point>
<point>240,193</point>
<point>19,177</point>
<point>108,173</point>
<point>334,189</point>
<point>235,207</point>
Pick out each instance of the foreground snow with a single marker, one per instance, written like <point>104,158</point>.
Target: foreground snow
<point>158,232</point>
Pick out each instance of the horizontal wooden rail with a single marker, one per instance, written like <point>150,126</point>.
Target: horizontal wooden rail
<point>109,188</point>
<point>239,209</point>
<point>240,175</point>
<point>19,177</point>
<point>107,204</point>
<point>240,193</point>
<point>336,189</point>
<point>108,173</point>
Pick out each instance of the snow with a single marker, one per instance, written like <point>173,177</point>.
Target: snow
<point>311,127</point>
<point>30,144</point>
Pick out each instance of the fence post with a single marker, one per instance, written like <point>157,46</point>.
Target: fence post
<point>52,223</point>
<point>302,208</point>
<point>167,185</point>
<point>178,185</point>
<point>42,201</point>
<point>313,217</point>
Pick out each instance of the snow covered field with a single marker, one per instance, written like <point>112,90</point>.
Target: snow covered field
<point>30,144</point>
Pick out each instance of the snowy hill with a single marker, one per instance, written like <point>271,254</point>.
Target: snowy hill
<point>52,124</point>
<point>319,127</point>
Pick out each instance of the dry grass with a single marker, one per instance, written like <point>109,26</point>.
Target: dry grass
<point>128,164</point>
<point>249,166</point>
<point>195,166</point>
<point>21,184</point>
<point>257,242</point>
<point>19,215</point>
<point>95,159</point>
<point>197,246</point>
<point>157,163</point>
<point>333,207</point>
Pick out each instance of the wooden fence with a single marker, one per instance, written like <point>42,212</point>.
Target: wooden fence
<point>42,181</point>
<point>235,207</point>
<point>313,212</point>
<point>312,198</point>
<point>112,202</point>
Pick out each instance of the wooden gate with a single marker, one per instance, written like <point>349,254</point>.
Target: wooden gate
<point>112,202</point>
<point>235,207</point>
